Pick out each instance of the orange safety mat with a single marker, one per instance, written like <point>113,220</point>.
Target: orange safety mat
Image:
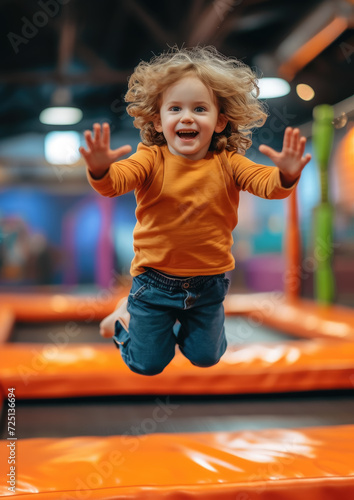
<point>306,464</point>
<point>60,307</point>
<point>299,317</point>
<point>68,370</point>
<point>303,318</point>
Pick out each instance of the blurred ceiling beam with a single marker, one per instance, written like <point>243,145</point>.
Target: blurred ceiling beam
<point>95,62</point>
<point>95,77</point>
<point>311,37</point>
<point>210,21</point>
<point>66,46</point>
<point>192,18</point>
<point>155,29</point>
<point>243,23</point>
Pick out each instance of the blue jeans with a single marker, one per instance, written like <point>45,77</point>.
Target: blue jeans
<point>156,301</point>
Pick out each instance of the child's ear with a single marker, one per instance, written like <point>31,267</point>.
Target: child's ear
<point>221,123</point>
<point>157,123</point>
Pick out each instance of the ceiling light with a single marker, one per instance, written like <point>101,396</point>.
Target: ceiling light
<point>62,148</point>
<point>60,116</point>
<point>272,87</point>
<point>305,92</point>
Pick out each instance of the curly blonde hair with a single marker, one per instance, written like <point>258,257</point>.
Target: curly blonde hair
<point>233,84</point>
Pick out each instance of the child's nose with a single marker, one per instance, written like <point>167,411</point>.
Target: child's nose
<point>187,117</point>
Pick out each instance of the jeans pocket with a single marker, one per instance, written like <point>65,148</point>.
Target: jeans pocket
<point>137,289</point>
<point>121,337</point>
<point>138,292</point>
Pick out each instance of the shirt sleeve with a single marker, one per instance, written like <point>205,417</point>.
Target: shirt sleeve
<point>125,175</point>
<point>260,180</point>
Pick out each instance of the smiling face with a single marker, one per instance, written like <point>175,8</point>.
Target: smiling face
<point>189,116</point>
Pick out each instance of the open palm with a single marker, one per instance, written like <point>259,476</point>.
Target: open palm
<point>291,159</point>
<point>98,155</point>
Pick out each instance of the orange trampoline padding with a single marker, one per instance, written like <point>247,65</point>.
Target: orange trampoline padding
<point>302,318</point>
<point>61,307</point>
<point>68,370</point>
<point>7,321</point>
<point>306,464</point>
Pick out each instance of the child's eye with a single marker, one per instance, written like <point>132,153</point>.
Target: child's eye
<point>199,109</point>
<point>175,108</point>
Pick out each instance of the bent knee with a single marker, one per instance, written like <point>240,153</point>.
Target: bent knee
<point>205,362</point>
<point>152,370</point>
<point>148,369</point>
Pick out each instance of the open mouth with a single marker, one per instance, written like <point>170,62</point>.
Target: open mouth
<point>187,134</point>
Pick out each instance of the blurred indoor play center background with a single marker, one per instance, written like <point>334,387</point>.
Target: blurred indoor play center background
<point>58,234</point>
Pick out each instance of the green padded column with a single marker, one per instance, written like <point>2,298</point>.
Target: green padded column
<point>322,136</point>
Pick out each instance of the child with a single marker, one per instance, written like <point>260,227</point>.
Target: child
<point>195,109</point>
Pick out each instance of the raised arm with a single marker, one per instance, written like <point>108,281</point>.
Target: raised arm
<point>98,155</point>
<point>290,160</point>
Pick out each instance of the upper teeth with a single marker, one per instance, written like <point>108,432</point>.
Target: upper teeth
<point>187,132</point>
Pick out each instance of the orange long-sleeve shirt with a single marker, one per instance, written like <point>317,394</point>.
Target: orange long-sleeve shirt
<point>186,210</point>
